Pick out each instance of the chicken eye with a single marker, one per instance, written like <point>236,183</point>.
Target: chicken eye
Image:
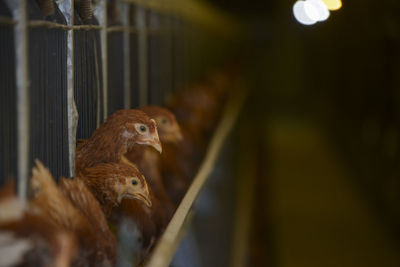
<point>141,128</point>
<point>134,182</point>
<point>163,120</point>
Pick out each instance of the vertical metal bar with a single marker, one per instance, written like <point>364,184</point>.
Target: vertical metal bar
<point>125,11</point>
<point>143,55</point>
<point>21,41</point>
<point>101,14</point>
<point>67,8</point>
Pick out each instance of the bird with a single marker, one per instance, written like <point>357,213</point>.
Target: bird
<point>176,167</point>
<point>28,239</point>
<point>84,201</point>
<point>170,134</point>
<point>167,125</point>
<point>112,182</point>
<point>148,162</point>
<point>139,217</point>
<point>180,161</point>
<point>58,210</point>
<point>196,112</point>
<point>123,131</point>
<point>120,133</point>
<point>118,208</point>
<point>197,109</point>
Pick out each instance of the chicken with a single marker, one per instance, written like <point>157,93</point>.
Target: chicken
<point>116,136</point>
<point>141,219</point>
<point>200,105</point>
<point>197,113</point>
<point>170,134</point>
<point>125,181</point>
<point>148,162</point>
<point>101,156</point>
<point>168,128</point>
<point>27,239</point>
<point>197,110</point>
<point>130,185</point>
<point>82,200</point>
<point>176,168</point>
<point>58,210</point>
<point>136,203</point>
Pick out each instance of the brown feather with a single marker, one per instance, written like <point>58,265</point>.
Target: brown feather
<point>112,139</point>
<point>27,231</point>
<point>83,199</point>
<point>58,210</point>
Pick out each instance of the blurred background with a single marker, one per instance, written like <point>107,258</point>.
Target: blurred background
<point>323,114</point>
<point>310,174</point>
<point>324,109</point>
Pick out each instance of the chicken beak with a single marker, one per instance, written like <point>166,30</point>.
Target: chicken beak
<point>146,200</point>
<point>179,136</point>
<point>156,143</point>
<point>158,147</point>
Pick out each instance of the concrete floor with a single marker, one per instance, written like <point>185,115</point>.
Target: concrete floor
<point>318,218</point>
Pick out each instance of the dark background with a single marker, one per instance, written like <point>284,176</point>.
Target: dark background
<point>324,109</point>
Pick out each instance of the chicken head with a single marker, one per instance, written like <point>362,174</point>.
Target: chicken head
<point>168,128</point>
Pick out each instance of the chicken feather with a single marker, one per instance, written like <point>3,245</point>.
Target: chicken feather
<point>116,136</point>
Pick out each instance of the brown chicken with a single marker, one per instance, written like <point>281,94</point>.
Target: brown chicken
<point>168,128</point>
<point>83,200</point>
<point>141,217</point>
<point>148,162</point>
<point>125,130</point>
<point>170,134</point>
<point>28,239</point>
<point>49,200</point>
<point>176,168</point>
<point>81,214</point>
<point>125,180</point>
<point>197,113</point>
<point>136,208</point>
<point>120,133</point>
<point>197,109</point>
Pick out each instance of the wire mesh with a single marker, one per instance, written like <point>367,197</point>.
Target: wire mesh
<point>47,52</point>
<point>88,79</point>
<point>8,108</point>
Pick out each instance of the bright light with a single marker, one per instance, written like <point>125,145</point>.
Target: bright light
<point>309,12</point>
<point>333,4</point>
<point>322,9</point>
<point>299,12</point>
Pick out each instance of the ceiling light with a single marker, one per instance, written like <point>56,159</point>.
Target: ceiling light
<point>333,4</point>
<point>299,12</point>
<point>322,9</point>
